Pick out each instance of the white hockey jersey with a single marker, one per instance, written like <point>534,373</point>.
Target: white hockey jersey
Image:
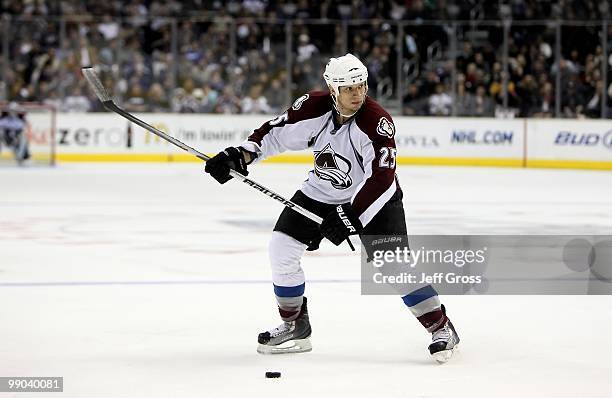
<point>11,128</point>
<point>353,162</point>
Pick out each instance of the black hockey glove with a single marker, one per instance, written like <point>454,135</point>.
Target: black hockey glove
<point>340,224</point>
<point>219,165</point>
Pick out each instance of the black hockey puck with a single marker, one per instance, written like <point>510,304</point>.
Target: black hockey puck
<point>273,375</point>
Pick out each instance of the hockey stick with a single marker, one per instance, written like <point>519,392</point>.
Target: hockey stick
<point>109,104</point>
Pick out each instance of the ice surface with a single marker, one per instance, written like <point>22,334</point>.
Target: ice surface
<point>150,280</point>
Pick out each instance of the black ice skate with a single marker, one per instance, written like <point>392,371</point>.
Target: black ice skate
<point>289,337</point>
<point>444,341</point>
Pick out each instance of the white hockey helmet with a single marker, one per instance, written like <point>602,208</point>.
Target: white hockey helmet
<point>345,71</point>
<point>15,108</point>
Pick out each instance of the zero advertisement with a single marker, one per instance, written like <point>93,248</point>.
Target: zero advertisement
<point>107,135</point>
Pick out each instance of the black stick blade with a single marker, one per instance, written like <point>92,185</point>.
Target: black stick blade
<point>96,84</point>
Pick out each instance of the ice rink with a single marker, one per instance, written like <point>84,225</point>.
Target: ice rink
<point>151,280</point>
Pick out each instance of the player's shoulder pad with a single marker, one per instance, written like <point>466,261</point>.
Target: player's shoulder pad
<point>375,121</point>
<point>310,105</point>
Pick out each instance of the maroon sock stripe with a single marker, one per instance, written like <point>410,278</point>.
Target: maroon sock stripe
<point>433,320</point>
<point>288,314</point>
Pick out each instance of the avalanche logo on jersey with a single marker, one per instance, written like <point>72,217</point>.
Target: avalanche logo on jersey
<point>298,102</point>
<point>330,166</point>
<point>385,127</point>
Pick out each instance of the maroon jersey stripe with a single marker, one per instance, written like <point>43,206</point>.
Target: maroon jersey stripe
<point>309,106</point>
<point>377,124</point>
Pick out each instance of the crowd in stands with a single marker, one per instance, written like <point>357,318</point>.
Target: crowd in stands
<point>200,56</point>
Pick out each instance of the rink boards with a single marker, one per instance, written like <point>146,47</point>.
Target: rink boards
<point>420,140</point>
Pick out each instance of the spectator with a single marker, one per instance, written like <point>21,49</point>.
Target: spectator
<point>593,102</point>
<point>480,104</point>
<point>135,100</point>
<point>156,100</point>
<point>440,103</point>
<point>464,100</point>
<point>177,99</point>
<point>546,101</point>
<point>255,102</point>
<point>414,105</point>
<point>276,96</point>
<point>572,101</point>
<point>528,93</point>
<point>228,102</point>
<point>76,101</point>
<point>306,50</point>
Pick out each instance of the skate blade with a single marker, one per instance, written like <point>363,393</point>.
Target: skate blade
<point>444,356</point>
<point>288,347</point>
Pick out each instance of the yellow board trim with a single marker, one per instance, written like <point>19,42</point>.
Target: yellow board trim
<point>308,158</point>
<point>114,157</point>
<point>294,158</point>
<point>489,162</point>
<point>291,158</point>
<point>570,164</point>
<point>157,157</point>
<point>39,157</point>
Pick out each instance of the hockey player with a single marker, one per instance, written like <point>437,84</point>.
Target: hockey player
<point>353,187</point>
<point>12,132</point>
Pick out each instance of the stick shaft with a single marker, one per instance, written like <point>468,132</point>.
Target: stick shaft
<point>111,106</point>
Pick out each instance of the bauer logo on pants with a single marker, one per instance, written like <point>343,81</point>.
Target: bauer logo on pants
<point>345,219</point>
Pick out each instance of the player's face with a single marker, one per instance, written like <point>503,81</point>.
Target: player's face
<point>350,98</point>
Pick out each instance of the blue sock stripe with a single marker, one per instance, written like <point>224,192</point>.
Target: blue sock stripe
<point>289,291</point>
<point>419,295</point>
